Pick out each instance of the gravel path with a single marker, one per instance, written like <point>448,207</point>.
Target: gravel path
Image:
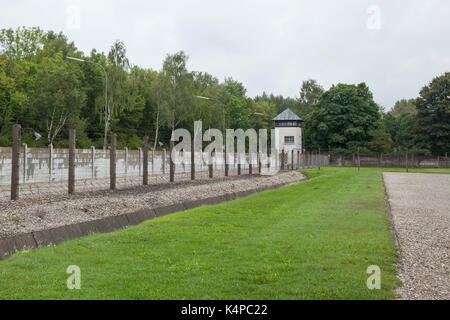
<point>420,205</point>
<point>39,212</point>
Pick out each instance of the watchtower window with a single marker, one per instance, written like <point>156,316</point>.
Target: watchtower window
<point>289,140</point>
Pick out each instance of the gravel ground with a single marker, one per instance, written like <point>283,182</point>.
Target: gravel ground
<point>44,211</point>
<point>421,216</point>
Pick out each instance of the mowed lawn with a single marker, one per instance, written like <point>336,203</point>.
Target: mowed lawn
<point>311,240</point>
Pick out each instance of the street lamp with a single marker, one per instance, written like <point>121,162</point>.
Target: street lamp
<point>105,141</point>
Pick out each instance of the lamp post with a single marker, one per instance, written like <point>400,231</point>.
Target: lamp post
<point>105,140</point>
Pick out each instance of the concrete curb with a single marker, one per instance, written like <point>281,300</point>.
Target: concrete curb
<point>389,215</point>
<point>54,236</point>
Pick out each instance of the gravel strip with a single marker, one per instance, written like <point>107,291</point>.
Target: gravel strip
<point>420,208</point>
<point>34,213</point>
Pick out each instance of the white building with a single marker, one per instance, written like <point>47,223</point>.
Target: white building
<point>288,131</point>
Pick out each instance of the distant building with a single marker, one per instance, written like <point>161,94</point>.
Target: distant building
<point>288,131</point>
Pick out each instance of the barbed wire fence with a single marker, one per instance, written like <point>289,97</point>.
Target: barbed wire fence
<point>45,172</point>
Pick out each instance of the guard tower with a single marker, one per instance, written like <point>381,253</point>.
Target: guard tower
<point>288,131</point>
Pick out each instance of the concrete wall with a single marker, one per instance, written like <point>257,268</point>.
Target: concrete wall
<point>281,132</point>
<point>51,165</point>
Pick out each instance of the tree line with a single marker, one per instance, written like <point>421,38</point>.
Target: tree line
<point>45,92</point>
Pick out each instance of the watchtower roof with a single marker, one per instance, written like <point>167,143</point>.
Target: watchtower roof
<point>287,115</point>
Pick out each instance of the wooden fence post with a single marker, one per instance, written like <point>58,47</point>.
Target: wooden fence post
<point>112,162</point>
<point>72,143</point>
<point>15,164</point>
<point>319,162</point>
<point>259,162</point>
<point>227,168</point>
<point>145,162</point>
<point>282,159</point>
<point>210,166</point>
<point>239,163</point>
<point>171,164</point>
<point>192,159</point>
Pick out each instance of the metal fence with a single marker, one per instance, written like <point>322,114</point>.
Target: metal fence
<point>47,171</point>
<point>402,161</point>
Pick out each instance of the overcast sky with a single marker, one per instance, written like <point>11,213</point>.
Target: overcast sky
<point>395,46</point>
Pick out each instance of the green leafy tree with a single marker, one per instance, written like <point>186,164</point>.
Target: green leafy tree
<point>118,67</point>
<point>403,106</point>
<point>180,98</point>
<point>381,141</point>
<point>343,118</point>
<point>310,93</point>
<point>433,115</point>
<point>281,103</point>
<point>57,97</point>
<point>401,129</point>
<point>22,43</point>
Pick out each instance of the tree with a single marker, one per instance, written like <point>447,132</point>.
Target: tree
<point>57,97</point>
<point>310,93</point>
<point>343,118</point>
<point>117,76</point>
<point>21,43</point>
<point>281,103</point>
<point>162,97</point>
<point>401,129</point>
<point>180,100</point>
<point>433,115</point>
<point>381,141</point>
<point>7,87</point>
<point>403,106</point>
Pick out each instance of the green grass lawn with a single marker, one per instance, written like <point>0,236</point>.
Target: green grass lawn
<point>311,240</point>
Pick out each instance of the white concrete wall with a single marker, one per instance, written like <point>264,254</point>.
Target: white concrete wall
<point>281,132</point>
<point>46,165</point>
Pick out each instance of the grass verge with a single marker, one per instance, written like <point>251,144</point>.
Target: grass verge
<point>311,240</point>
